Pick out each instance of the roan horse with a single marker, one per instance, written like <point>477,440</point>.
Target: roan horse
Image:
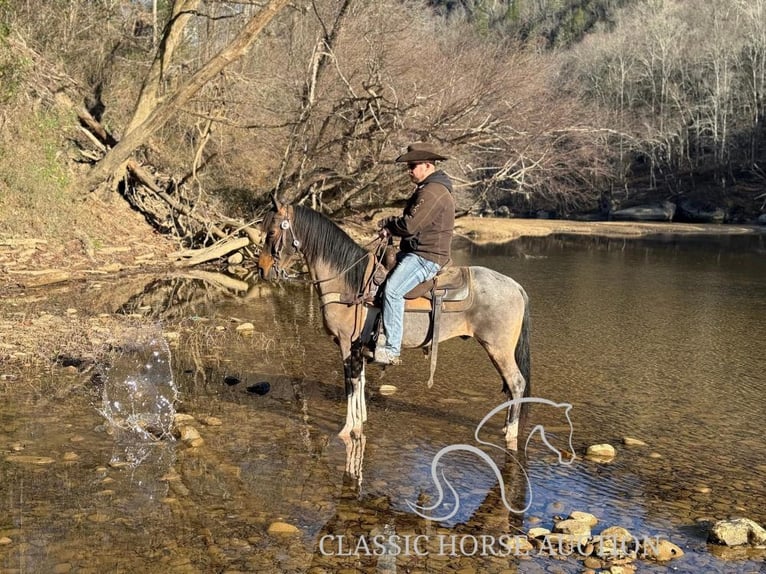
<point>498,317</point>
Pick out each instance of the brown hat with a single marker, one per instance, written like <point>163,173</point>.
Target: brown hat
<point>420,151</point>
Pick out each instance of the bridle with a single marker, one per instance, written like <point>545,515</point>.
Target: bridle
<point>286,227</point>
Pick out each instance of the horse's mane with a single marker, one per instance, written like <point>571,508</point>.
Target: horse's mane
<point>321,239</point>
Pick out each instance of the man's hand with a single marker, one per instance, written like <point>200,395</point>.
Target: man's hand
<point>383,222</point>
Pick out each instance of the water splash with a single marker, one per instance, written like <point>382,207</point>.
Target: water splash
<point>139,394</point>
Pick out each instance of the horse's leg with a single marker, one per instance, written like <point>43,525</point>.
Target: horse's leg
<point>514,384</point>
<point>362,382</point>
<point>353,368</point>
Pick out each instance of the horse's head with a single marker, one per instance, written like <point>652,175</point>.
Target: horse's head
<point>281,245</point>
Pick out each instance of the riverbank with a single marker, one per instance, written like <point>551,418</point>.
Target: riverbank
<point>485,230</point>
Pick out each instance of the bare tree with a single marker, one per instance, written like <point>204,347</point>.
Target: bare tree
<point>156,112</point>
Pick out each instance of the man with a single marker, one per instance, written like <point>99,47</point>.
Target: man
<point>425,228</point>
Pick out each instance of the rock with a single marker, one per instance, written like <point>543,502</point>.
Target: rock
<point>231,380</point>
<point>628,441</point>
<point>737,532</point>
<point>578,528</point>
<point>70,456</point>
<point>592,562</point>
<point>696,213</point>
<point>762,219</point>
<point>600,452</point>
<point>29,459</point>
<point>387,389</point>
<point>5,541</point>
<point>179,418</point>
<point>236,258</point>
<point>245,328</point>
<point>280,527</point>
<point>211,421</point>
<point>191,436</point>
<point>662,552</point>
<point>586,517</point>
<point>538,532</point>
<point>259,388</point>
<point>503,211</point>
<point>617,533</point>
<point>663,212</point>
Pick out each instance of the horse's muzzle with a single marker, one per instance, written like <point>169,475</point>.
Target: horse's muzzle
<point>266,268</point>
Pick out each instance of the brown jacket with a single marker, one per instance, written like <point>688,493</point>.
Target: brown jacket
<point>428,221</point>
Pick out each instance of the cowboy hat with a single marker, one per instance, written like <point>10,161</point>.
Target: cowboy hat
<point>420,151</point>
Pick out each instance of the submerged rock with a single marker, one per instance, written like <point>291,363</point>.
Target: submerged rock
<point>628,441</point>
<point>600,452</point>
<point>280,527</point>
<point>259,388</point>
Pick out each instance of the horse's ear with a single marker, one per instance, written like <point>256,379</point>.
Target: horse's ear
<point>279,207</point>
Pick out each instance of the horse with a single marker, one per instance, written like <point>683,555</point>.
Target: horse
<point>498,316</point>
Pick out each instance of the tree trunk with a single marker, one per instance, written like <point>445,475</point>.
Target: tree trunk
<point>165,109</point>
<point>151,91</point>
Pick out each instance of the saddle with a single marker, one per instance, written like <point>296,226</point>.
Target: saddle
<point>450,291</point>
<point>452,286</point>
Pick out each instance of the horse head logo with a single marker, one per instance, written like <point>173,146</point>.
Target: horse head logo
<point>565,457</point>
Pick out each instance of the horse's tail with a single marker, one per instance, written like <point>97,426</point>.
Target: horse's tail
<point>522,348</point>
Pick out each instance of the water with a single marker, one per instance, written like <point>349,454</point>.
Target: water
<point>659,340</point>
<point>139,394</point>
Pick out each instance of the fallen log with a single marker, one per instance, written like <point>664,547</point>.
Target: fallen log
<point>197,256</point>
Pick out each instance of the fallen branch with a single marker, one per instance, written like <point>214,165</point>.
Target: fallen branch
<point>218,279</point>
<point>198,256</point>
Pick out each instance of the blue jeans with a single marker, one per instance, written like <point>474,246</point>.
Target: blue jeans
<point>411,270</point>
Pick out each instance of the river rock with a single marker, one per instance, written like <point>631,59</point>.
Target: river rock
<point>29,459</point>
<point>617,533</point>
<point>628,441</point>
<point>697,213</point>
<point>737,532</point>
<point>762,219</point>
<point>191,436</point>
<point>245,328</point>
<point>578,528</point>
<point>538,532</point>
<point>211,421</point>
<point>662,212</point>
<point>600,452</point>
<point>663,551</point>
<point>586,517</point>
<point>280,527</point>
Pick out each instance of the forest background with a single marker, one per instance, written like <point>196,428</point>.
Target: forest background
<point>197,111</point>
